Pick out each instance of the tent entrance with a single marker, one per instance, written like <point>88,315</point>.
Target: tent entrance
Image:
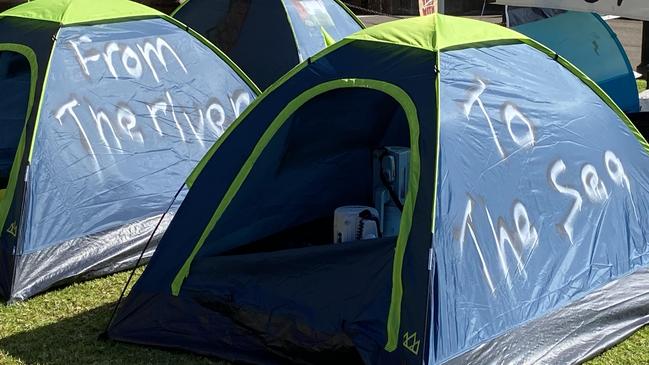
<point>15,82</point>
<point>322,158</point>
<point>274,244</point>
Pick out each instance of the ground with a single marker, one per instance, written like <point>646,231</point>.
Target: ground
<point>61,327</point>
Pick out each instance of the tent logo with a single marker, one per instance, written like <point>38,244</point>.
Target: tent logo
<point>411,342</point>
<point>13,229</point>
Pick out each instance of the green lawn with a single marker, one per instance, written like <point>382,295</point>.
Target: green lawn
<point>61,328</point>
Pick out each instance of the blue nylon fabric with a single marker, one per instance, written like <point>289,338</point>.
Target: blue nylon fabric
<point>587,41</point>
<point>567,197</point>
<point>92,171</point>
<point>309,16</point>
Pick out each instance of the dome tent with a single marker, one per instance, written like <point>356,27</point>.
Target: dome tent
<point>266,38</point>
<point>588,42</point>
<point>525,212</point>
<point>106,118</point>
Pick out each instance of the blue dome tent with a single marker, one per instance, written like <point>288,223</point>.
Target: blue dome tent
<point>108,108</point>
<point>523,220</point>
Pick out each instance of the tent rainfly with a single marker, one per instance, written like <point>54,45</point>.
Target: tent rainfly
<point>521,212</point>
<point>266,38</point>
<point>108,107</point>
<point>588,42</point>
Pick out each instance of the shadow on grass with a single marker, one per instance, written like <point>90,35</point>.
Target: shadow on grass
<point>74,341</point>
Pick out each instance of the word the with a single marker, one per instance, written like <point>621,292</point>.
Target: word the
<point>517,240</point>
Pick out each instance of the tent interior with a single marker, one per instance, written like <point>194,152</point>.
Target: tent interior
<point>281,223</point>
<point>319,160</point>
<point>15,80</point>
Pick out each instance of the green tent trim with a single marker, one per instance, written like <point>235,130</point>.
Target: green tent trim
<point>394,316</point>
<point>76,12</point>
<point>30,55</point>
<point>66,12</point>
<point>351,13</point>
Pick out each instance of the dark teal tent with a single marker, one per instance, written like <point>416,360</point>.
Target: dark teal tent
<point>266,38</point>
<point>588,42</point>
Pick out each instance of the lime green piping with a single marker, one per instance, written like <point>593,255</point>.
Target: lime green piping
<point>40,103</point>
<point>58,12</point>
<point>208,156</point>
<point>30,55</point>
<point>328,39</point>
<point>173,13</point>
<point>394,316</point>
<point>351,13</point>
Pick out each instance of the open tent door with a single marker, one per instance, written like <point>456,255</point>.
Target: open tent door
<point>281,221</point>
<point>15,81</point>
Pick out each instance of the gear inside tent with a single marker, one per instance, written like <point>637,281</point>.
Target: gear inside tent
<point>588,42</point>
<point>106,109</point>
<point>266,38</point>
<point>431,190</point>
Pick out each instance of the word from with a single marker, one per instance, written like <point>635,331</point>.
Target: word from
<point>130,59</point>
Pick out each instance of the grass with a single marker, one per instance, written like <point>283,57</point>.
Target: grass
<point>61,328</point>
<point>634,350</point>
<point>642,85</point>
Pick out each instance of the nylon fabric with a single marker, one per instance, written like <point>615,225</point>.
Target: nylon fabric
<point>514,249</point>
<point>123,130</point>
<point>595,50</point>
<point>309,17</point>
<point>66,12</point>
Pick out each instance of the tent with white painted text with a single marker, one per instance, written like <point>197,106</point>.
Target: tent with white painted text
<point>266,38</point>
<point>426,191</point>
<point>106,108</point>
